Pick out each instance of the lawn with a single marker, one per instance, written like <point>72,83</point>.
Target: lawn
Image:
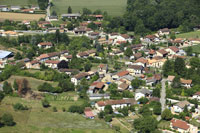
<point>113,7</point>
<point>18,2</point>
<point>195,49</point>
<point>39,120</point>
<point>20,16</point>
<point>34,83</point>
<point>194,34</point>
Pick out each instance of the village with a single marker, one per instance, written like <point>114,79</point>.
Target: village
<point>118,74</point>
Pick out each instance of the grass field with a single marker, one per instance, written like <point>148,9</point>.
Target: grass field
<point>18,2</point>
<point>195,49</point>
<point>20,16</point>
<point>113,7</point>
<point>195,34</point>
<point>43,120</point>
<point>34,83</point>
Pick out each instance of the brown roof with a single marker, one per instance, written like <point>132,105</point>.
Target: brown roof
<point>174,48</point>
<point>124,86</point>
<point>136,67</point>
<point>81,75</point>
<point>170,78</point>
<point>83,54</point>
<point>125,36</point>
<point>165,30</point>
<point>34,62</point>
<point>122,73</point>
<point>42,56</point>
<point>158,77</point>
<point>114,102</point>
<point>52,61</point>
<point>151,36</point>
<point>184,81</point>
<point>197,93</point>
<point>137,55</point>
<point>142,60</point>
<point>97,84</point>
<point>180,124</point>
<point>45,44</point>
<point>151,51</point>
<point>68,56</point>
<point>162,51</point>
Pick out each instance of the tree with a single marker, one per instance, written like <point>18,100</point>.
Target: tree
<point>128,52</point>
<point>54,13</point>
<point>166,115</point>
<point>63,64</point>
<point>86,11</point>
<point>172,36</point>
<point>168,68</point>
<point>108,109</point>
<point>143,100</point>
<point>1,96</point>
<point>179,66</point>
<point>92,25</point>
<point>23,86</point>
<point>189,51</point>
<point>176,82</point>
<point>18,56</point>
<point>108,118</point>
<point>140,28</point>
<point>7,89</point>
<point>88,66</point>
<point>156,92</point>
<point>136,83</point>
<point>69,10</point>
<point>15,85</point>
<point>157,109</point>
<point>45,103</point>
<point>7,119</point>
<point>145,124</point>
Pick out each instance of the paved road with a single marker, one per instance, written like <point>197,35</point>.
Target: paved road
<point>162,98</point>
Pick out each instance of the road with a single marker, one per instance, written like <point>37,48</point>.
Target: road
<point>162,98</point>
<point>48,11</point>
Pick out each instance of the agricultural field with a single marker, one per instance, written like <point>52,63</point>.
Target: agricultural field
<point>20,16</point>
<point>39,120</point>
<point>18,2</point>
<point>34,83</point>
<point>113,7</point>
<point>194,34</point>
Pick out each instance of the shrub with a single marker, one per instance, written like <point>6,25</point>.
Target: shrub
<point>19,106</point>
<point>7,120</point>
<point>55,109</point>
<point>63,109</point>
<point>45,103</point>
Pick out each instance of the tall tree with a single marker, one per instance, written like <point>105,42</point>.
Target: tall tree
<point>7,89</point>
<point>69,10</point>
<point>179,67</point>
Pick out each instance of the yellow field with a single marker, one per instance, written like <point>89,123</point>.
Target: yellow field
<point>20,16</point>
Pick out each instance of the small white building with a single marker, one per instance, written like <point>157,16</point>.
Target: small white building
<point>196,96</point>
<point>142,93</point>
<point>45,45</point>
<point>179,107</point>
<point>76,79</point>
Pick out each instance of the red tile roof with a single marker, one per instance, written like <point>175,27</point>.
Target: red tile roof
<point>174,48</point>
<point>45,44</point>
<point>97,84</point>
<point>184,81</point>
<point>162,51</point>
<point>180,124</point>
<point>122,73</point>
<point>52,61</point>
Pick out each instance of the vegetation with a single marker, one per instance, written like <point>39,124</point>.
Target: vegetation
<point>19,106</point>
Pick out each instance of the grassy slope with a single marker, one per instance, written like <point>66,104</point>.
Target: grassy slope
<point>37,119</point>
<point>195,34</point>
<point>113,7</point>
<point>196,49</point>
<point>34,83</point>
<point>18,2</point>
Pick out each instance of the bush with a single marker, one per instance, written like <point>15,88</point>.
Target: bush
<point>45,103</point>
<point>76,109</point>
<point>63,109</point>
<point>55,109</point>
<point>108,118</point>
<point>19,106</point>
<point>7,120</point>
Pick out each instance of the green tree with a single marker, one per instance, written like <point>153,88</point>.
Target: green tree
<point>45,103</point>
<point>168,68</point>
<point>128,52</point>
<point>88,66</point>
<point>189,51</point>
<point>108,109</point>
<point>18,56</point>
<point>15,85</point>
<point>176,82</point>
<point>92,25</point>
<point>69,10</point>
<point>136,83</point>
<point>7,89</point>
<point>166,115</point>
<point>7,119</point>
<point>143,100</point>
<point>179,66</point>
<point>157,109</point>
<point>1,96</point>
<point>172,36</point>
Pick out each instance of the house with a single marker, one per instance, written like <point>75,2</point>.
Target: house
<point>196,96</point>
<point>135,69</point>
<point>172,50</point>
<point>194,41</point>
<point>162,53</point>
<point>102,69</point>
<point>45,45</point>
<point>137,56</point>
<point>71,16</point>
<point>69,71</point>
<point>52,63</point>
<point>93,35</point>
<point>182,126</point>
<point>156,62</point>
<point>53,18</point>
<point>9,33</point>
<point>2,64</point>
<point>66,57</point>
<point>124,38</point>
<point>43,24</point>
<point>115,104</point>
<point>170,79</point>
<point>150,39</point>
<point>49,56</point>
<point>15,8</point>
<point>152,53</point>
<point>127,79</point>
<point>179,107</point>
<point>141,61</point>
<point>4,8</point>
<point>88,113</point>
<point>163,32</point>
<point>96,86</point>
<point>98,17</point>
<point>82,30</point>
<point>5,55</point>
<point>123,86</point>
<point>34,64</point>
<point>120,74</point>
<point>139,93</point>
<point>26,22</point>
<point>150,81</point>
<point>27,10</point>
<point>186,83</point>
<point>76,79</point>
<point>99,96</point>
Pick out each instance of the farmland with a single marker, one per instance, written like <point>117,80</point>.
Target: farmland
<point>18,2</point>
<point>194,34</point>
<point>113,7</point>
<point>20,16</point>
<point>39,119</point>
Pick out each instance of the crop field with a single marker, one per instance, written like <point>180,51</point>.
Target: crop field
<point>194,34</point>
<point>43,120</point>
<point>113,7</point>
<point>18,2</point>
<point>20,16</point>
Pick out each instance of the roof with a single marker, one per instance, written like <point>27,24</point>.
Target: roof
<point>68,70</point>
<point>151,51</point>
<point>71,15</point>
<point>99,95</point>
<point>97,84</point>
<point>162,51</point>
<point>197,93</point>
<point>123,86</point>
<point>4,54</point>
<point>34,62</point>
<point>165,30</point>
<point>184,81</point>
<point>42,56</point>
<point>52,61</point>
<point>142,60</point>
<point>122,73</point>
<point>174,48</point>
<point>180,124</point>
<point>136,67</point>
<point>158,77</point>
<point>170,78</point>
<point>45,44</point>
<point>137,55</point>
<point>151,36</point>
<point>88,112</point>
<point>182,104</point>
<point>143,91</point>
<point>81,75</point>
<point>125,36</point>
<point>115,102</point>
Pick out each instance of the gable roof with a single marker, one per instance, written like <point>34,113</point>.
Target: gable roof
<point>45,44</point>
<point>136,67</point>
<point>122,73</point>
<point>124,86</point>
<point>142,60</point>
<point>184,81</point>
<point>52,61</point>
<point>174,48</point>
<point>162,51</point>
<point>143,91</point>
<point>170,78</point>
<point>81,75</point>
<point>4,53</point>
<point>97,84</point>
<point>197,93</point>
<point>182,104</point>
<point>180,124</point>
<point>115,102</point>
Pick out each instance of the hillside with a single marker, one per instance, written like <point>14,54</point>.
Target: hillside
<point>18,2</point>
